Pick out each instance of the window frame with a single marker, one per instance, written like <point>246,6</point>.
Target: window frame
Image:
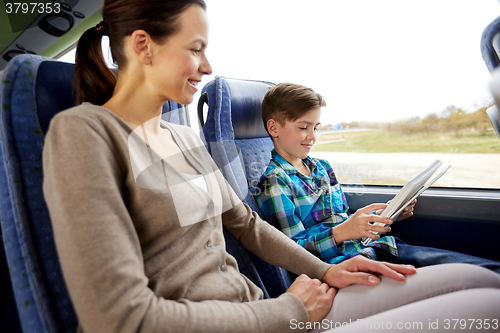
<point>455,204</point>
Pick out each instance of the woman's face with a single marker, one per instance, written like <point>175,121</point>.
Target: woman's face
<point>180,62</point>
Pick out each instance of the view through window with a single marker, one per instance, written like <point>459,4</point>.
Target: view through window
<point>404,81</point>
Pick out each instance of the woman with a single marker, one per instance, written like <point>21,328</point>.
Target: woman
<point>117,180</point>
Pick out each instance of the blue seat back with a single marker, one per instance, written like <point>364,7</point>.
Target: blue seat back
<point>241,148</point>
<point>32,90</point>
<point>176,113</point>
<point>490,50</point>
<point>490,45</point>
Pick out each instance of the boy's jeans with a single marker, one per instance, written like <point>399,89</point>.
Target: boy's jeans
<point>421,256</point>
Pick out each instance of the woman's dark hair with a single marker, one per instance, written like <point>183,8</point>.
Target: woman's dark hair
<point>94,82</point>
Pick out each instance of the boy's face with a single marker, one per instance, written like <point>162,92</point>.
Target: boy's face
<point>294,139</point>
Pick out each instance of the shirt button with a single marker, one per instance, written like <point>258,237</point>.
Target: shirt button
<point>209,243</point>
<point>223,267</point>
<point>210,205</point>
<point>245,299</point>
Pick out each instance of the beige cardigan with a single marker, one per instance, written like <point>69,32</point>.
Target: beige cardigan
<point>128,263</point>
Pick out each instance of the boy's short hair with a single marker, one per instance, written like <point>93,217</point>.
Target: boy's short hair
<point>288,101</point>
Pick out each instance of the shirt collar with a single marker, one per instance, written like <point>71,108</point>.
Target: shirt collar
<point>287,166</point>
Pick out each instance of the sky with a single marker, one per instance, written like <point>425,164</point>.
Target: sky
<point>371,60</point>
<point>375,61</point>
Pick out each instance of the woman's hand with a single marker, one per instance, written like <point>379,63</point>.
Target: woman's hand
<point>316,296</point>
<point>407,212</point>
<point>361,270</point>
<point>358,224</point>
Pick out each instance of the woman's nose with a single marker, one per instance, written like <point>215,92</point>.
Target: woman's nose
<point>205,67</point>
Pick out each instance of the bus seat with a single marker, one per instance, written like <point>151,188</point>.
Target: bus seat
<point>32,90</point>
<point>240,146</point>
<point>176,113</point>
<point>490,50</point>
<point>490,45</point>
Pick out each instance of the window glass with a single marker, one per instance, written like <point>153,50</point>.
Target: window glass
<point>68,57</point>
<point>404,81</point>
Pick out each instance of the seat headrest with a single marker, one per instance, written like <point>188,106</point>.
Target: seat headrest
<point>490,45</point>
<point>54,90</point>
<point>54,93</point>
<point>246,110</point>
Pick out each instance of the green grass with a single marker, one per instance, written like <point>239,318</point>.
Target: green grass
<point>391,142</point>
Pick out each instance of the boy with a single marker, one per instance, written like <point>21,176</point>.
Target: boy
<point>302,197</point>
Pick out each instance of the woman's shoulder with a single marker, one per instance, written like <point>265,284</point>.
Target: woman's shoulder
<point>89,126</point>
<point>87,111</point>
<point>91,117</point>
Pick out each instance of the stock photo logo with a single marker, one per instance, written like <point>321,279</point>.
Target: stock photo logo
<point>24,15</point>
<point>197,186</point>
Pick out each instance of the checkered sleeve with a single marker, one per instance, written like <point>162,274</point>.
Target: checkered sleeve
<point>335,184</point>
<point>275,199</point>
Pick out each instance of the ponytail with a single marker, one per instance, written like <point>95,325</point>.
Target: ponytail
<point>94,82</point>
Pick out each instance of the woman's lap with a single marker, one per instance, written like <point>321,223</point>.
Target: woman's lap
<point>357,302</point>
<point>473,310</point>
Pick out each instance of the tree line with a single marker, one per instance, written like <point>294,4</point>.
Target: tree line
<point>451,120</point>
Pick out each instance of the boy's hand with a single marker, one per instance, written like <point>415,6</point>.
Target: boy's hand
<point>355,270</point>
<point>407,212</point>
<point>358,224</point>
<point>316,296</point>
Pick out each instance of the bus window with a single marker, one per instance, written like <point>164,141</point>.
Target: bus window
<point>404,81</point>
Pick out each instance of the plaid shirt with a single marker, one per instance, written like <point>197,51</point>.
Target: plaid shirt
<point>307,208</point>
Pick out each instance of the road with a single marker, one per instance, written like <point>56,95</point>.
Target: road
<point>467,170</point>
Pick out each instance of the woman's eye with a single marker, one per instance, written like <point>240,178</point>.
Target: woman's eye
<point>303,128</point>
<point>196,51</point>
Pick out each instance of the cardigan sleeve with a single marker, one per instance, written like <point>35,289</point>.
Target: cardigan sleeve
<point>100,253</point>
<point>269,243</point>
<point>257,235</point>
